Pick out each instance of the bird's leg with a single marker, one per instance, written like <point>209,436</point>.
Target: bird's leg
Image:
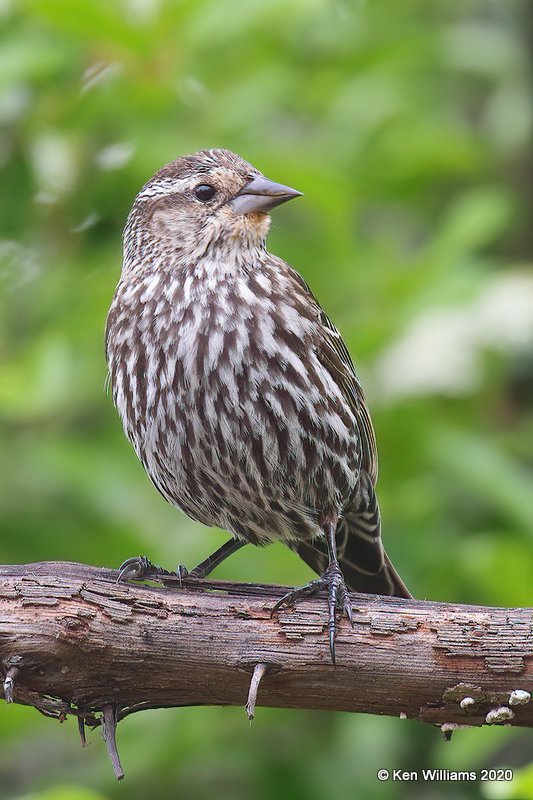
<point>141,568</point>
<point>211,562</point>
<point>333,581</point>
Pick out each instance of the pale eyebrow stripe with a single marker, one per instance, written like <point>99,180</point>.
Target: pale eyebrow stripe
<point>163,186</point>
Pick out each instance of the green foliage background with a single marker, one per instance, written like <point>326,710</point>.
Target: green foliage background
<point>408,127</point>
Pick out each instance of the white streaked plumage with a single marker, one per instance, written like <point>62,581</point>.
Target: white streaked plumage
<point>235,389</point>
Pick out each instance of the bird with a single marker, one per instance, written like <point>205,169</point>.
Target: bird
<point>235,388</point>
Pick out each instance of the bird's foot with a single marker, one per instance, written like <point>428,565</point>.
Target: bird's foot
<point>140,568</point>
<point>338,597</point>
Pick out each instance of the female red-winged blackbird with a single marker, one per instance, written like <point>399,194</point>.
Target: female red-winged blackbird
<point>235,389</point>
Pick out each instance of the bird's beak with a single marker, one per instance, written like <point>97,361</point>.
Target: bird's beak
<point>260,195</point>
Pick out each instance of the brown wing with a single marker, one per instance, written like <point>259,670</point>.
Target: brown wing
<point>334,355</point>
<point>364,563</point>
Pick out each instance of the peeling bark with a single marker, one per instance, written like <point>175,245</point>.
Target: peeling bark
<point>73,641</point>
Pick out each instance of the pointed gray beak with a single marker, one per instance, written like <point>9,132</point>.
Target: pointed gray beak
<point>260,195</point>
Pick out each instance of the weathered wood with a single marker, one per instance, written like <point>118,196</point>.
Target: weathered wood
<point>72,640</point>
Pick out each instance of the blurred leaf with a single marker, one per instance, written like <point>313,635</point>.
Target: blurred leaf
<point>64,792</point>
<point>407,126</point>
<point>520,788</point>
<point>475,220</point>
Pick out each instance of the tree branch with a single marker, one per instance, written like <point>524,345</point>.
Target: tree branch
<point>73,641</point>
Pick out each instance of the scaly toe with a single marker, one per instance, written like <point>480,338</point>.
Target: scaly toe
<point>346,604</point>
<point>291,597</point>
<point>140,568</point>
<point>338,597</point>
<point>134,569</point>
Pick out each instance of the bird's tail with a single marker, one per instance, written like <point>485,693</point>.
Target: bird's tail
<point>364,563</point>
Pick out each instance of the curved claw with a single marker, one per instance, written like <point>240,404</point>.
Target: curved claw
<point>295,594</point>
<point>347,606</point>
<point>134,568</point>
<point>141,568</point>
<point>332,634</point>
<point>182,572</point>
<point>333,581</point>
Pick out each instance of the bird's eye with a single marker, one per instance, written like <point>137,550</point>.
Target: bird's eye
<point>204,192</point>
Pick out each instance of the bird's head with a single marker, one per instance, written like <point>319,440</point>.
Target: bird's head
<point>208,201</point>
